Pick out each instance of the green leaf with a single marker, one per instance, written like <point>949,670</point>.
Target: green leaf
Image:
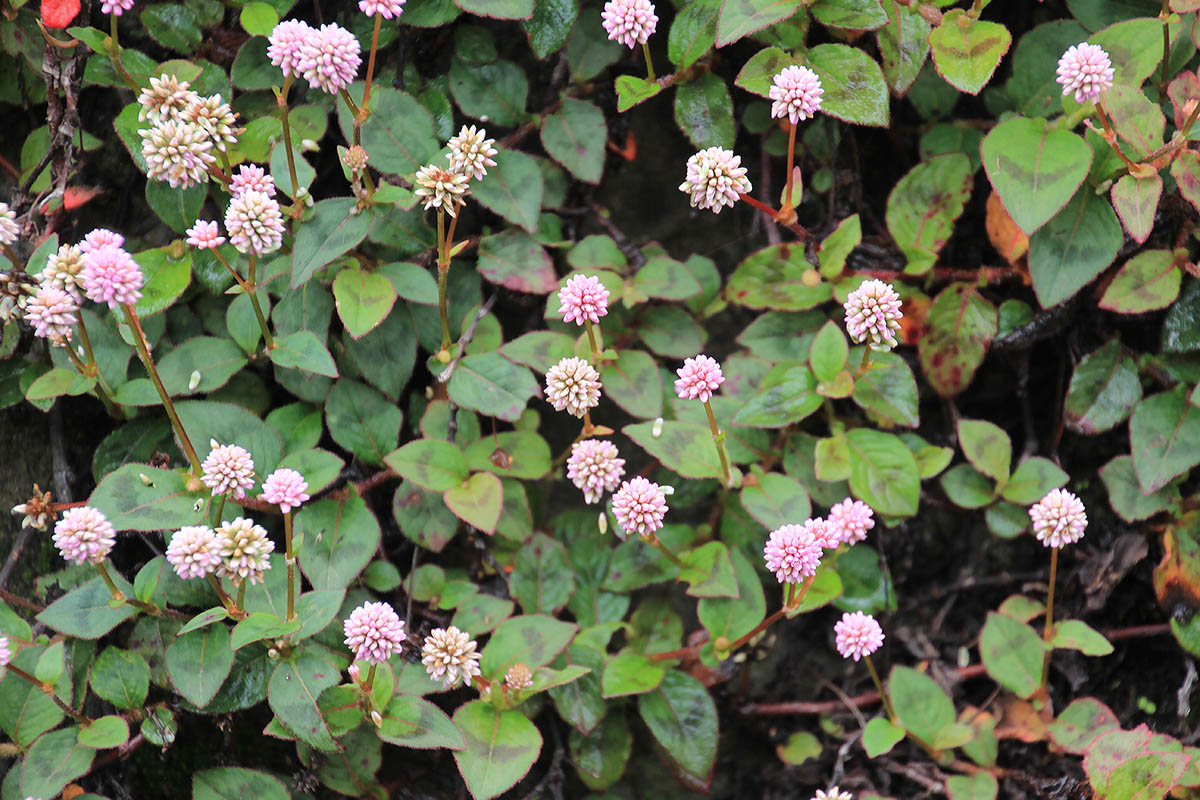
<point>693,32</point>
<point>1125,495</point>
<point>1147,282</point>
<point>574,136</point>
<point>785,395</point>
<point>1136,201</point>
<point>198,663</point>
<point>666,279</point>
<point>589,50</point>
<point>362,299</point>
<point>1104,390</point>
<point>259,18</point>
<point>980,786</point>
<point>492,385</point>
<point>216,361</point>
<point>478,501</point>
<point>304,351</point>
<point>632,90</point>
<point>528,455</point>
<point>962,325</point>
<point>683,719</point>
<point>533,640</point>
<point>204,619</point>
<point>1072,634</point>
<point>165,277</point>
<point>1012,654</point>
<point>837,246</point>
<point>855,90</point>
<point>335,227</point>
<point>412,722</point>
<point>339,538</point>
<point>1164,435</point>
<point>739,18</point>
<point>121,677</point>
<point>967,487</point>
<point>704,112</point>
<point>293,691</point>
<point>1135,47</point>
<point>1035,168</point>
<point>883,472</point>
<point>85,613</point>
<point>498,9</point>
<point>986,446</point>
<point>967,51</point>
<point>924,205</point>
<point>777,277</point>
<point>547,29</point>
<point>922,707</point>
<point>708,571</point>
<point>1033,86</point>
<point>178,207</point>
<point>829,351</point>
<point>888,389</point>
<point>500,748</point>
<point>515,260</point>
<point>432,464</point>
<point>1074,247</point>
<point>362,420</point>
<point>600,757</point>
<point>494,92</point>
<point>865,586</point>
<point>258,626</point>
<point>204,421</point>
<point>776,500</point>
<point>542,579</point>
<point>731,618</point>
<point>399,134</point>
<point>105,733</point>
<point>49,666</point>
<point>1080,723</point>
<point>757,74</point>
<point>513,189</point>
<point>853,15</point>
<point>683,447</point>
<point>236,783</point>
<point>173,25</point>
<point>880,736</point>
<point>53,761</point>
<point>903,45</point>
<point>1032,480</point>
<point>58,382</point>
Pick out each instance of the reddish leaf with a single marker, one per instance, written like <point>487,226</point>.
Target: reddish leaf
<point>1184,87</point>
<point>1186,172</point>
<point>59,13</point>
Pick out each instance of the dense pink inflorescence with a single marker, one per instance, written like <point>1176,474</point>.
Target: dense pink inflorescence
<point>630,22</point>
<point>285,488</point>
<point>9,230</point>
<point>329,58</point>
<point>797,94</point>
<point>286,41</point>
<point>110,275</point>
<point>450,656</point>
<point>252,177</point>
<point>228,469</point>
<point>715,179</point>
<point>384,8</point>
<point>849,521</point>
<point>583,299</point>
<point>873,314</point>
<point>793,552</point>
<point>101,237</point>
<point>699,377</point>
<point>595,468</point>
<point>52,312</point>
<point>1058,518</point>
<point>1086,71</point>
<point>177,151</point>
<point>205,235</point>
<point>639,506</point>
<point>194,551</point>
<point>115,7</point>
<point>858,635</point>
<point>573,385</point>
<point>84,535</point>
<point>374,631</point>
<point>254,222</point>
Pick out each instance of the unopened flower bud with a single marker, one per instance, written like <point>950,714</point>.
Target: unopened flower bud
<point>602,522</point>
<point>518,677</point>
<point>377,718</point>
<point>309,145</point>
<point>354,672</point>
<point>355,158</point>
<point>194,380</point>
<point>657,428</point>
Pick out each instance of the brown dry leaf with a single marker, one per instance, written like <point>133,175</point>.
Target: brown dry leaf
<point>1020,720</point>
<point>72,791</point>
<point>912,324</point>
<point>1177,577</point>
<point>1009,240</point>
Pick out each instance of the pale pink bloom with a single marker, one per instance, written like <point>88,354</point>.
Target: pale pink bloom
<point>101,237</point>
<point>630,22</point>
<point>639,506</point>
<point>164,98</point>
<point>205,235</point>
<point>252,177</point>
<point>355,158</point>
<point>115,7</point>
<point>194,551</point>
<point>285,42</point>
<point>1058,519</point>
<point>374,631</point>
<point>873,314</point>
<point>1085,70</point>
<point>52,312</point>
<point>329,58</point>
<point>285,488</point>
<point>450,656</point>
<point>63,268</point>
<point>797,94</point>
<point>177,151</point>
<point>354,672</point>
<point>793,552</point>
<point>5,652</point>
<point>573,385</point>
<point>518,677</point>
<point>245,550</point>
<point>594,468</point>
<point>715,179</point>
<point>9,230</point>
<point>471,152</point>
<point>833,794</point>
<point>699,377</point>
<point>583,299</point>
<point>110,275</point>
<point>849,521</point>
<point>84,535</point>
<point>858,635</point>
<point>254,222</point>
<point>441,188</point>
<point>228,469</point>
<point>384,8</point>
<point>214,116</point>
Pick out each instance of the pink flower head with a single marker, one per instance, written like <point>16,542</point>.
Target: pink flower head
<point>329,58</point>
<point>10,231</point>
<point>630,22</point>
<point>699,377</point>
<point>194,551</point>
<point>52,312</point>
<point>205,235</point>
<point>115,7</point>
<point>384,8</point>
<point>1085,70</point>
<point>5,653</point>
<point>374,631</point>
<point>640,506</point>
<point>849,522</point>
<point>715,179</point>
<point>573,385</point>
<point>858,635</point>
<point>594,468</point>
<point>1058,518</point>
<point>583,299</point>
<point>110,275</point>
<point>228,469</point>
<point>252,177</point>
<point>873,314</point>
<point>254,222</point>
<point>285,42</point>
<point>797,94</point>
<point>793,552</point>
<point>285,488</point>
<point>101,237</point>
<point>84,535</point>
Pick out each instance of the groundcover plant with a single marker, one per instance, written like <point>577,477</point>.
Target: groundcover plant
<point>541,398</point>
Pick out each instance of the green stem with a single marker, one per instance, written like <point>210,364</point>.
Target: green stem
<point>1049,628</point>
<point>115,55</point>
<point>865,365</point>
<point>443,268</point>
<point>649,62</point>
<point>1191,120</point>
<point>592,340</point>
<point>226,600</point>
<point>1111,137</point>
<point>103,389</point>
<point>365,111</point>
<point>719,441</point>
<point>654,541</point>
<point>887,701</point>
<point>357,112</point>
<point>241,598</point>
<point>291,566</point>
<point>120,596</point>
<point>12,256</point>
<point>791,160</point>
<point>1164,15</point>
<point>143,349</point>
<point>370,680</point>
<point>281,101</point>
<point>252,288</point>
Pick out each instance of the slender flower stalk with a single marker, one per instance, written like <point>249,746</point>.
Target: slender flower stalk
<point>234,610</point>
<point>584,300</point>
<point>791,170</point>
<point>251,288</point>
<point>290,560</point>
<point>649,62</point>
<point>281,102</point>
<point>115,54</point>
<point>287,489</point>
<point>443,268</point>
<point>887,701</point>
<point>699,377</point>
<point>143,349</point>
<point>121,597</point>
<point>365,109</point>
<point>1059,519</point>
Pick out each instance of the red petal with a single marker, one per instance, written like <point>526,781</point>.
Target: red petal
<point>59,13</point>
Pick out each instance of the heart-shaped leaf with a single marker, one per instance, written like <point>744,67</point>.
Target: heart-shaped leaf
<point>477,501</point>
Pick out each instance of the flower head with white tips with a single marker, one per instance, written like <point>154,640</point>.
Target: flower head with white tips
<point>715,179</point>
<point>873,314</point>
<point>84,535</point>
<point>630,22</point>
<point>450,656</point>
<point>228,469</point>
<point>639,506</point>
<point>1059,519</point>
<point>374,631</point>
<point>471,152</point>
<point>245,550</point>
<point>1086,71</point>
<point>797,94</point>
<point>194,551</point>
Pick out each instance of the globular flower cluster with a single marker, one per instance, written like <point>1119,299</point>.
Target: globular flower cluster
<point>251,177</point>
<point>715,179</point>
<point>99,238</point>
<point>797,94</point>
<point>583,299</point>
<point>639,506</point>
<point>205,235</point>
<point>793,552</point>
<point>440,188</point>
<point>63,269</point>
<point>858,635</point>
<point>450,656</point>
<point>849,521</point>
<point>327,57</point>
<point>873,314</point>
<point>8,225</point>
<point>1059,519</point>
<point>84,535</point>
<point>630,22</point>
<point>595,468</point>
<point>374,631</point>
<point>165,98</point>
<point>194,551</point>
<point>518,677</point>
<point>285,488</point>
<point>228,469</point>
<point>1086,71</point>
<point>214,116</point>
<point>384,8</point>
<point>5,653</point>
<point>471,152</point>
<point>52,311</point>
<point>573,385</point>
<point>285,42</point>
<point>245,550</point>
<point>698,378</point>
<point>109,274</point>
<point>254,222</point>
<point>178,152</point>
<point>185,130</point>
<point>115,7</point>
